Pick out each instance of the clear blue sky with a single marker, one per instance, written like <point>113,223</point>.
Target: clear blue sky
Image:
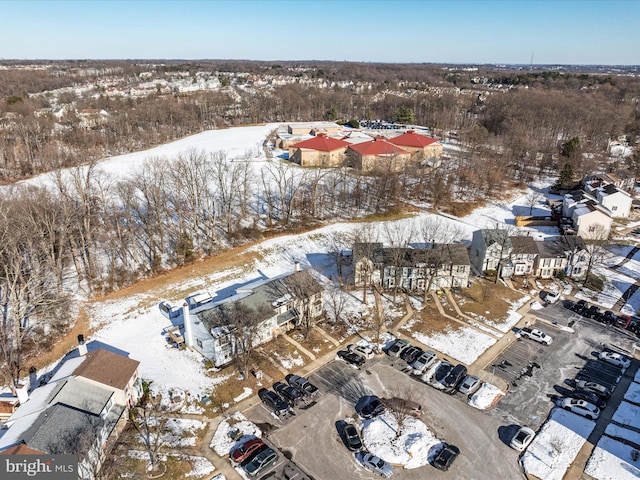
<point>472,31</point>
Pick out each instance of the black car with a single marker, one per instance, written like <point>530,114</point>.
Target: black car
<point>454,377</point>
<point>608,317</point>
<point>369,407</point>
<point>591,312</point>
<point>445,457</point>
<point>289,393</point>
<point>273,401</point>
<point>588,397</point>
<point>579,306</point>
<point>411,353</point>
<point>351,437</point>
<point>350,358</point>
<point>442,371</point>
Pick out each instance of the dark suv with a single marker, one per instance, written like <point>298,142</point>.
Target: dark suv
<point>273,401</point>
<point>591,312</point>
<point>579,306</point>
<point>453,379</point>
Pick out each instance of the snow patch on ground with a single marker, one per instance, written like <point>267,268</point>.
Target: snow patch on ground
<point>612,460</point>
<point>633,393</point>
<point>628,415</point>
<point>245,394</point>
<point>556,445</point>
<point>412,449</point>
<point>464,344</point>
<point>182,432</point>
<point>222,442</point>
<point>486,397</point>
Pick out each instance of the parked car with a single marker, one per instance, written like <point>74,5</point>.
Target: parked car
<point>445,457</point>
<point>397,347</point>
<point>590,386</point>
<point>579,306</point>
<point>608,317</point>
<point>303,385</point>
<point>369,407</point>
<point>454,377</point>
<point>522,439</point>
<point>614,358</point>
<point>350,358</point>
<point>423,362</point>
<point>265,458</point>
<point>551,297</point>
<point>535,334</point>
<point>243,451</point>
<point>410,354</point>
<point>289,393</point>
<point>403,405</point>
<point>273,401</point>
<point>469,385</point>
<point>351,437</point>
<point>591,312</point>
<point>365,351</point>
<point>588,396</point>
<point>375,464</point>
<point>586,409</point>
<point>441,372</point>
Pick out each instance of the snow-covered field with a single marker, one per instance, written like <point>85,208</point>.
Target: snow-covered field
<point>628,415</point>
<point>613,460</point>
<point>464,344</point>
<point>556,445</point>
<point>633,393</point>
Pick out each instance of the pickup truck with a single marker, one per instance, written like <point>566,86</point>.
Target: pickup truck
<point>535,334</point>
<point>303,385</point>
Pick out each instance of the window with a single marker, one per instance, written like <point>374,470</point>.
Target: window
<point>614,208</point>
<point>592,228</point>
<point>199,342</point>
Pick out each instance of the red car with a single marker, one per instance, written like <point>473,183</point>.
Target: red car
<point>245,450</point>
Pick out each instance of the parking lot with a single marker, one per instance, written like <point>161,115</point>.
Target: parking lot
<point>537,374</point>
<point>530,397</point>
<point>311,437</point>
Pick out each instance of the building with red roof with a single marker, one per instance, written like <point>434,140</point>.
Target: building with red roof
<point>377,155</point>
<point>319,151</point>
<point>418,145</point>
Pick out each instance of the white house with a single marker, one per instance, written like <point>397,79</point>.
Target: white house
<point>617,201</point>
<point>591,221</point>
<point>489,247</point>
<point>275,306</point>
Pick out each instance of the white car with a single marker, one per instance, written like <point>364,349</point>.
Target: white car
<point>535,334</point>
<point>586,409</point>
<point>551,297</point>
<point>615,359</point>
<point>522,439</point>
<point>423,362</point>
<point>365,351</point>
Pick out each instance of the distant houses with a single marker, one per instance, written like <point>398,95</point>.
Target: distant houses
<point>326,144</point>
<point>417,269</point>
<point>513,255</point>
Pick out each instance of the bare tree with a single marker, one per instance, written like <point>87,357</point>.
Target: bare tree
<point>307,294</point>
<point>595,247</point>
<point>149,419</point>
<point>532,199</point>
<point>399,235</point>
<point>336,302</point>
<point>244,323</point>
<point>402,404</point>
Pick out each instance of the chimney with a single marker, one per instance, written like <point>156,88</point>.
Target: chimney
<point>188,331</point>
<point>22,393</point>
<point>82,347</point>
<point>296,266</point>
